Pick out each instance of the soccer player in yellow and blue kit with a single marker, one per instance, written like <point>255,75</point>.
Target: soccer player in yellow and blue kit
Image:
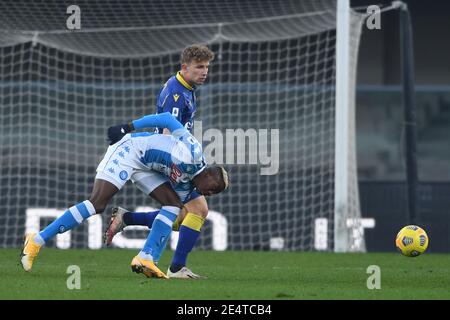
<point>178,98</point>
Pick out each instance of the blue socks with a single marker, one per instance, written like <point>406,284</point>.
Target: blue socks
<point>159,235</point>
<point>140,218</point>
<point>189,233</point>
<point>71,218</point>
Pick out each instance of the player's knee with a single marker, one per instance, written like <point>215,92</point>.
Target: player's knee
<point>200,208</point>
<point>102,192</point>
<point>98,204</point>
<point>171,200</point>
<point>172,203</point>
<point>202,211</point>
<point>166,196</point>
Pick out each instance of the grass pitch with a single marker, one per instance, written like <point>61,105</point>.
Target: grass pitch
<point>106,274</point>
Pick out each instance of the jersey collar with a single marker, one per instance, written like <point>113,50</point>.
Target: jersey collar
<point>183,82</point>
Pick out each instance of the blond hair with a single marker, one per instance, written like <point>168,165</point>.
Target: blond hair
<point>225,178</point>
<point>196,52</point>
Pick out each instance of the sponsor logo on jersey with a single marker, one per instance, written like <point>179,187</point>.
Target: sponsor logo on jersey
<point>175,97</point>
<point>175,173</point>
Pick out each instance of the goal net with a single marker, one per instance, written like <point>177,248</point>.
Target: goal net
<point>267,113</point>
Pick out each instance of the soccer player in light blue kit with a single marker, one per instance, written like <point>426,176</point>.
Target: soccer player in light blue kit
<point>168,167</point>
<point>177,97</point>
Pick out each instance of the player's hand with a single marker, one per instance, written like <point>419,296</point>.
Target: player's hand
<point>116,133</point>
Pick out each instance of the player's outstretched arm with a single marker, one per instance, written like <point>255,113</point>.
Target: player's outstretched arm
<point>163,120</point>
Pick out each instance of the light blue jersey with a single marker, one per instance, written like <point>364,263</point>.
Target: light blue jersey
<point>146,158</point>
<point>180,158</point>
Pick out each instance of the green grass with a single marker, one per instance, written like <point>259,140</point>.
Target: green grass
<point>105,274</point>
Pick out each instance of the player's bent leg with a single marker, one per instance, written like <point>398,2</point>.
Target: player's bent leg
<point>189,232</point>
<point>145,261</point>
<point>160,233</point>
<point>198,205</point>
<point>166,196</point>
<point>171,202</point>
<point>180,218</point>
<point>150,183</point>
<point>195,203</point>
<point>110,178</point>
<point>102,192</point>
<point>140,218</point>
<point>121,217</point>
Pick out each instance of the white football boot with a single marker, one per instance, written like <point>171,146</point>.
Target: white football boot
<point>184,273</point>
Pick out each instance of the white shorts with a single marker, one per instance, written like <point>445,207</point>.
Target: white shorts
<point>121,163</point>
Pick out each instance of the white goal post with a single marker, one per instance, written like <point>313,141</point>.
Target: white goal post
<point>343,92</point>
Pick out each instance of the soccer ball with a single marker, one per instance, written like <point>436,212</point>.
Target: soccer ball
<point>412,241</point>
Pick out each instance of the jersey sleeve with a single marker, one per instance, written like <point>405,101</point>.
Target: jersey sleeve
<point>163,120</point>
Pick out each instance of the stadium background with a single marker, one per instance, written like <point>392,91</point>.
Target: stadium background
<point>380,149</point>
<point>379,138</point>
